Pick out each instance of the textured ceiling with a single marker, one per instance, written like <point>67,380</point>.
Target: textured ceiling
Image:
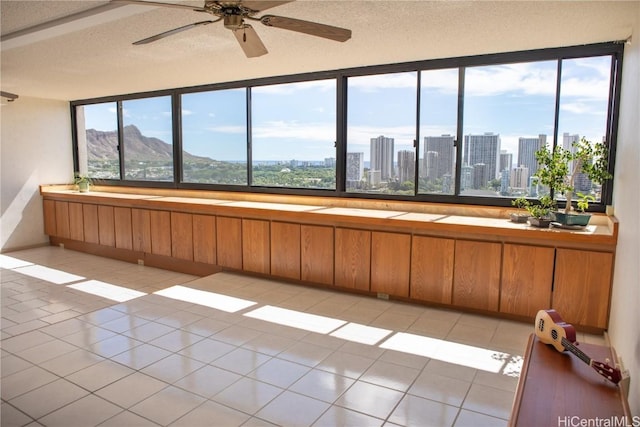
<point>100,60</point>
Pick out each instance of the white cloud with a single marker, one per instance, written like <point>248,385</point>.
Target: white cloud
<point>384,81</point>
<point>295,130</point>
<point>186,112</point>
<point>291,88</point>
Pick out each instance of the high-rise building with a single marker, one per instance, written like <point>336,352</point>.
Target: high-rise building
<point>355,168</point>
<point>483,149</point>
<point>438,165</point>
<point>567,144</point>
<point>506,161</point>
<point>406,166</point>
<point>382,157</point>
<point>520,177</point>
<point>480,176</point>
<point>527,148</point>
<point>466,181</point>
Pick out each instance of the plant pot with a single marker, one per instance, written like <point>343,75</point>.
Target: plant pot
<point>539,222</point>
<point>83,187</point>
<point>571,219</point>
<point>518,217</point>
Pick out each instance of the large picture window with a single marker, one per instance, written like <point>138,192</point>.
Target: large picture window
<point>456,130</point>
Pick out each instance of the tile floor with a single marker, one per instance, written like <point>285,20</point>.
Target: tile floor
<point>90,341</point>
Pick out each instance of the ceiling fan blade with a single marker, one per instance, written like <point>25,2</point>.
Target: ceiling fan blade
<point>261,5</point>
<point>172,32</point>
<point>250,42</point>
<point>157,3</point>
<point>311,28</point>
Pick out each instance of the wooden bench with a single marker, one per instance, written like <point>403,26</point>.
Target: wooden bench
<point>558,389</point>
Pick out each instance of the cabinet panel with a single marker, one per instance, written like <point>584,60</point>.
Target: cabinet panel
<point>204,239</point>
<point>229,242</point>
<point>285,250</point>
<point>255,246</point>
<point>353,258</point>
<point>182,236</point>
<point>476,276</point>
<point>49,212</point>
<point>160,232</point>
<point>316,254</point>
<point>106,226</point>
<point>122,221</point>
<point>141,230</point>
<point>90,219</point>
<point>432,269</point>
<point>390,262</point>
<point>62,219</point>
<point>76,222</point>
<point>582,286</point>
<point>527,277</point>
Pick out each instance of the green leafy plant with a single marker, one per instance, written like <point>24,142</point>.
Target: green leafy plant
<point>82,181</point>
<point>583,201</point>
<point>586,157</point>
<point>543,208</point>
<point>521,203</point>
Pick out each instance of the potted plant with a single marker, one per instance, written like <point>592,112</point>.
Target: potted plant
<point>540,213</point>
<point>82,182</point>
<point>559,168</point>
<point>520,216</point>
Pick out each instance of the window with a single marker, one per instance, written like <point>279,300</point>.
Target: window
<point>214,137</point>
<point>97,133</point>
<point>148,139</point>
<point>381,134</point>
<point>293,135</point>
<point>451,130</point>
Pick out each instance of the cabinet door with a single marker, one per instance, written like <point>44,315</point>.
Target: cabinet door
<point>432,269</point>
<point>527,277</point>
<point>49,211</point>
<point>122,220</point>
<point>160,232</point>
<point>76,222</point>
<point>90,216</point>
<point>229,242</point>
<point>582,286</point>
<point>476,276</point>
<point>285,250</point>
<point>204,239</point>
<point>316,254</point>
<point>106,226</point>
<point>255,246</point>
<point>141,230</point>
<point>62,219</point>
<point>390,262</point>
<point>353,258</point>
<point>182,236</point>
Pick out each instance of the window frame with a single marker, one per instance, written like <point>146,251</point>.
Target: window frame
<point>613,49</point>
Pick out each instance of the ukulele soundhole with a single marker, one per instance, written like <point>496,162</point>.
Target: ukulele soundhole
<point>554,334</point>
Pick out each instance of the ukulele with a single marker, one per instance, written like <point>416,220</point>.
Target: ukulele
<point>551,329</point>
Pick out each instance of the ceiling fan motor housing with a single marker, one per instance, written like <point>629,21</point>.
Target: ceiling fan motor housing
<point>233,22</point>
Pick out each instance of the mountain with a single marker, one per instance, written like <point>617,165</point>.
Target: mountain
<point>102,145</point>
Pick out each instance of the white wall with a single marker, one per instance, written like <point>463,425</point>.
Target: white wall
<point>624,325</point>
<point>36,149</point>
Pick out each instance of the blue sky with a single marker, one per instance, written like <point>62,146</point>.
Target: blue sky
<point>297,120</point>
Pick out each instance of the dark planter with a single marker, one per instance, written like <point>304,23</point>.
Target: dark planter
<point>571,219</point>
<point>539,222</point>
<point>519,217</point>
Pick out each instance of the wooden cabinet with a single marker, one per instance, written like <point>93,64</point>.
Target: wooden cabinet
<point>582,286</point>
<point>160,222</point>
<point>182,236</point>
<point>90,223</point>
<point>229,242</point>
<point>49,212</point>
<point>123,230</point>
<point>316,254</point>
<point>285,250</point>
<point>390,263</point>
<point>353,258</point>
<point>527,277</point>
<point>141,230</point>
<point>204,239</point>
<point>62,219</point>
<point>106,226</point>
<point>76,222</point>
<point>476,276</point>
<point>432,269</point>
<point>256,250</point>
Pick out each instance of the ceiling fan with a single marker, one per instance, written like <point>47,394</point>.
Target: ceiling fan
<point>234,13</point>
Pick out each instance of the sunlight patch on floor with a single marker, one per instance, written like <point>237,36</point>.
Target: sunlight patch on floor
<point>107,290</point>
<point>52,275</point>
<point>9,263</point>
<point>206,298</point>
<point>296,319</point>
<point>361,333</point>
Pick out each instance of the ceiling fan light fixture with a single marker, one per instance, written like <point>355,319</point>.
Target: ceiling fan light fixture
<point>233,22</point>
